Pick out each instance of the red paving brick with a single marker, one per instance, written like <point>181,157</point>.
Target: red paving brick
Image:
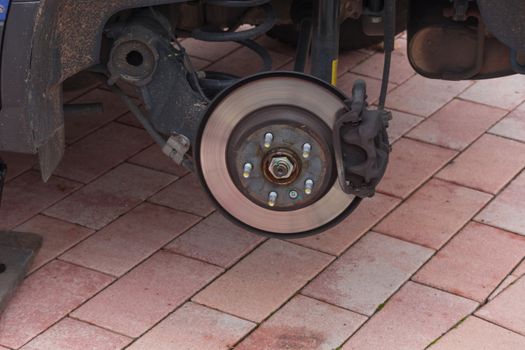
<point>412,319</point>
<point>110,196</point>
<point>187,195</point>
<point>412,163</point>
<point>70,334</point>
<point>44,298</point>
<point>79,125</point>
<point>244,62</point>
<point>506,211</point>
<point>423,97</point>
<point>401,70</point>
<point>505,93</point>
<point>58,237</point>
<point>520,270</point>
<point>474,262</point>
<point>508,281</point>
<point>27,195</point>
<point>195,327</point>
<point>210,51</point>
<point>147,294</point>
<point>153,158</point>
<point>401,124</point>
<point>434,213</point>
<point>507,308</point>
<point>513,125</point>
<point>101,151</point>
<point>17,163</point>
<point>337,240</point>
<point>488,165</point>
<point>368,273</point>
<point>476,334</point>
<point>216,240</point>
<point>304,323</point>
<point>263,281</point>
<point>457,125</point>
<point>130,239</point>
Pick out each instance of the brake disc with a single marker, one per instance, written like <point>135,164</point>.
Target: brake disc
<point>265,155</point>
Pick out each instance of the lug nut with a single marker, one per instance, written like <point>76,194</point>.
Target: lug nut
<point>272,198</point>
<point>268,139</point>
<point>308,186</point>
<point>307,148</point>
<point>293,194</point>
<point>248,167</point>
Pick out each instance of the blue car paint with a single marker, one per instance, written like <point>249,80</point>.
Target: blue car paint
<point>4,6</point>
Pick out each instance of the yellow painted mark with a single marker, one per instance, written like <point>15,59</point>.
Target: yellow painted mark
<point>335,65</point>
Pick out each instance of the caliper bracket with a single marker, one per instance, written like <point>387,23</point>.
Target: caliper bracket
<point>361,145</point>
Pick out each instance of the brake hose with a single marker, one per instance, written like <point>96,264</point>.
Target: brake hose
<point>389,11</point>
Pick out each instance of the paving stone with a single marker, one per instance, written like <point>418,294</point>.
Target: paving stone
<point>244,62</point>
<point>110,196</point>
<point>474,262</point>
<point>130,239</point>
<point>44,298</point>
<point>337,240</point>
<point>304,323</point>
<point>400,69</point>
<point>153,158</point>
<point>510,279</point>
<point>506,210</point>
<point>412,163</point>
<point>17,163</point>
<point>195,327</point>
<point>58,237</point>
<point>476,334</point>
<point>70,334</point>
<point>147,294</point>
<point>513,125</point>
<point>264,280</point>
<point>187,195</point>
<point>401,124</point>
<point>507,92</point>
<point>507,308</point>
<point>27,195</point>
<point>434,213</point>
<point>488,165</point>
<point>78,125</point>
<point>368,273</point>
<point>520,270</point>
<point>101,151</point>
<point>210,51</point>
<point>457,125</point>
<point>216,240</point>
<point>412,319</point>
<point>423,97</point>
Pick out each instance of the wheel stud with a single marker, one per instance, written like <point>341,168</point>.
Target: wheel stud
<point>272,198</point>
<point>307,148</point>
<point>248,167</point>
<point>308,186</point>
<point>268,139</point>
<point>293,194</point>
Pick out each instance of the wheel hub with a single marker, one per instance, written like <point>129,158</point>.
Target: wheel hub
<point>265,155</point>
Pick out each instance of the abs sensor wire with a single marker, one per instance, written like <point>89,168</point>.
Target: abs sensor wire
<point>389,14</point>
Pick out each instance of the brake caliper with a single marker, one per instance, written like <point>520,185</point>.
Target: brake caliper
<point>361,144</point>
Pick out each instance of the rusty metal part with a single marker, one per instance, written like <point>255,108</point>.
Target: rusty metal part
<point>250,95</point>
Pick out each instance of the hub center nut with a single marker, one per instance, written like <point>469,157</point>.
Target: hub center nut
<point>281,167</point>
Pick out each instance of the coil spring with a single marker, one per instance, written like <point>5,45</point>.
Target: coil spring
<point>214,82</point>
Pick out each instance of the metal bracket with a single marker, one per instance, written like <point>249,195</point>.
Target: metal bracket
<point>176,148</point>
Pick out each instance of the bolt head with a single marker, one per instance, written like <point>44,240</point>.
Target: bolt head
<point>293,194</point>
<point>281,167</point>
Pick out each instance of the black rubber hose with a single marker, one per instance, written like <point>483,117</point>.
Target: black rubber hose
<point>211,33</point>
<point>303,45</point>
<point>390,33</point>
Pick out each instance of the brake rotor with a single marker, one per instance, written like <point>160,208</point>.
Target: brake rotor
<point>265,154</point>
